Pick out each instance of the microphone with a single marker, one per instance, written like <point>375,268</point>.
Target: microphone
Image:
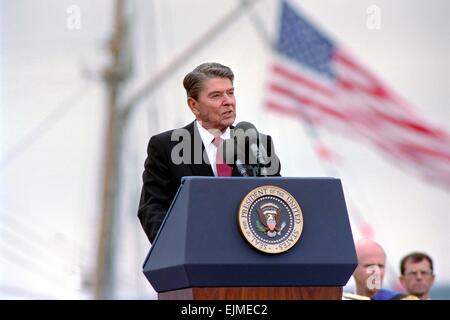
<point>241,167</point>
<point>246,134</point>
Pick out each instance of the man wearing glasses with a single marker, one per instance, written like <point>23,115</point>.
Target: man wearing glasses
<point>417,275</point>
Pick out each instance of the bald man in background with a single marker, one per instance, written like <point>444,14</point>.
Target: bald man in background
<point>369,273</point>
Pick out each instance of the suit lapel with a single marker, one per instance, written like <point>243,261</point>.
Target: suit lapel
<point>198,166</point>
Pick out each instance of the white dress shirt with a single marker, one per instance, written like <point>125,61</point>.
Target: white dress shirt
<point>210,147</point>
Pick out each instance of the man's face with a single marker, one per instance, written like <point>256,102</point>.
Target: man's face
<point>369,273</point>
<point>418,277</point>
<point>215,107</point>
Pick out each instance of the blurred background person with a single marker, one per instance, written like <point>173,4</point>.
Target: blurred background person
<point>417,276</point>
<point>369,273</point>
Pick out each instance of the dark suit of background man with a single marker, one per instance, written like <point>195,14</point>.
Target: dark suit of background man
<point>210,96</point>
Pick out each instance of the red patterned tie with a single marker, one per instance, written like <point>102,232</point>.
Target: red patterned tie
<point>223,170</point>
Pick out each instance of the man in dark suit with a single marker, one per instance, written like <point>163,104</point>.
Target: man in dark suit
<point>193,150</point>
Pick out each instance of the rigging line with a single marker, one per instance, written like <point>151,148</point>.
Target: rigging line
<point>258,24</point>
<point>30,230</point>
<point>53,272</point>
<point>23,248</point>
<point>41,128</point>
<point>181,58</point>
<point>18,258</point>
<point>22,242</point>
<point>22,293</point>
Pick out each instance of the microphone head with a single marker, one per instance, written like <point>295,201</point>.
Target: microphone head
<point>247,139</point>
<point>244,125</point>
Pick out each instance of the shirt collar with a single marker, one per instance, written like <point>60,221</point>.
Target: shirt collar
<point>208,137</point>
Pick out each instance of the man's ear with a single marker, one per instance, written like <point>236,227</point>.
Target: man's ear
<point>192,103</point>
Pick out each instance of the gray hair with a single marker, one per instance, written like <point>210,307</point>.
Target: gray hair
<point>193,81</point>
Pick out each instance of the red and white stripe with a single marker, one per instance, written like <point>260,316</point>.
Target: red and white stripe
<point>360,105</point>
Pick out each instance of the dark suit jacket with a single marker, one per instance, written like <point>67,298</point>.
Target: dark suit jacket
<point>163,172</point>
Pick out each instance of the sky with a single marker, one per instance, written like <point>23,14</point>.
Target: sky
<point>52,124</point>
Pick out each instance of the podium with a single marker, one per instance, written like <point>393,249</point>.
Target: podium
<point>200,252</point>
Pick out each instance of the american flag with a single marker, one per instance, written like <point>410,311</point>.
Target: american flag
<point>312,78</point>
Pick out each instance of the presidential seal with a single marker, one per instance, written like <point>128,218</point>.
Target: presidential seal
<point>270,219</point>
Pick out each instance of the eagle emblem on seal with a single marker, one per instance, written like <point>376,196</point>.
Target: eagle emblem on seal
<point>269,221</point>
